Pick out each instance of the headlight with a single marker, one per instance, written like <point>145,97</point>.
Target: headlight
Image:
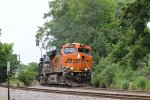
<point>71,68</point>
<point>86,69</point>
<point>78,56</point>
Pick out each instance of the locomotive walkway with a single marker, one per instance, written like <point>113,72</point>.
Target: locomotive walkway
<point>98,93</point>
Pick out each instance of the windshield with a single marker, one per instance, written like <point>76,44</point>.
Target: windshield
<point>69,50</point>
<point>46,60</point>
<point>84,50</point>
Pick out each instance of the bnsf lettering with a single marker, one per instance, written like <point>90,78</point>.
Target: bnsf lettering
<point>70,60</point>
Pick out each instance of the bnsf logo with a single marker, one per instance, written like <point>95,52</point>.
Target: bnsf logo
<point>70,60</point>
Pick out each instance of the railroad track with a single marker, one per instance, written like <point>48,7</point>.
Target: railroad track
<point>86,92</point>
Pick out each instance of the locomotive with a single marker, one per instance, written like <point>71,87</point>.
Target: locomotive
<point>72,66</point>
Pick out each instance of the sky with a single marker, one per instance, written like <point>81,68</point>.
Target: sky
<point>19,20</point>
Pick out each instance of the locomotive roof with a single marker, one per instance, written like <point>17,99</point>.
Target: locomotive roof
<point>76,45</point>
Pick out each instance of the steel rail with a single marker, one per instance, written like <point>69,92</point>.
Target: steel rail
<point>98,94</point>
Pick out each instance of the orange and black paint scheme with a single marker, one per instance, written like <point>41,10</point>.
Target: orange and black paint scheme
<point>71,66</point>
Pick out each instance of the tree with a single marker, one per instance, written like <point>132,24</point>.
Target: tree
<point>33,66</point>
<point>84,21</point>
<point>138,14</point>
<point>74,19</point>
<point>6,54</point>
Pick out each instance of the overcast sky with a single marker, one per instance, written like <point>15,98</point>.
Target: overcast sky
<point>19,20</point>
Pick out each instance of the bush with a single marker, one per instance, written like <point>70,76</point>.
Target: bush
<point>122,77</point>
<point>132,86</point>
<point>26,77</point>
<point>95,81</point>
<point>140,83</point>
<point>104,62</point>
<point>103,74</point>
<point>147,85</point>
<point>106,76</point>
<point>125,85</point>
<point>135,58</point>
<point>118,77</point>
<point>14,82</point>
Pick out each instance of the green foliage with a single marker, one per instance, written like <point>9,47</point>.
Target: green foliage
<point>95,81</point>
<point>122,77</point>
<point>96,58</point>
<point>147,85</point>
<point>26,77</point>
<point>33,66</point>
<point>77,21</point>
<point>125,84</point>
<point>106,76</point>
<point>14,82</point>
<point>102,65</point>
<point>102,76</point>
<point>144,41</point>
<point>140,83</point>
<point>6,54</point>
<point>23,66</point>
<point>132,86</point>
<point>135,55</point>
<point>28,73</point>
<point>138,15</point>
<point>119,51</point>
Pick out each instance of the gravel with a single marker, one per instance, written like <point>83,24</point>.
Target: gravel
<point>32,95</point>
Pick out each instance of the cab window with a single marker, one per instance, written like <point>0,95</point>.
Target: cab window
<point>46,60</point>
<point>68,50</point>
<point>84,50</point>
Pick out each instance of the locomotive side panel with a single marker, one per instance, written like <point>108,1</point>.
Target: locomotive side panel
<point>58,65</point>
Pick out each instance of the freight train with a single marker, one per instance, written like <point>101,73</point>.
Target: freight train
<point>71,66</point>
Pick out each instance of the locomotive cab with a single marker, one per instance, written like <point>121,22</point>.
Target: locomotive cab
<point>77,61</point>
<point>77,57</point>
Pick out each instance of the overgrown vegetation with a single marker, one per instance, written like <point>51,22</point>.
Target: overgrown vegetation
<point>28,73</point>
<point>26,76</point>
<point>117,32</point>
<point>6,54</point>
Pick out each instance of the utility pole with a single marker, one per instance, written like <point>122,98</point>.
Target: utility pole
<point>8,73</point>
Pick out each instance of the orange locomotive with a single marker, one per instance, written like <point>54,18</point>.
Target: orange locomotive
<point>72,66</point>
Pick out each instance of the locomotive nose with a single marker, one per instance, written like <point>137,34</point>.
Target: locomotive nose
<point>81,56</point>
